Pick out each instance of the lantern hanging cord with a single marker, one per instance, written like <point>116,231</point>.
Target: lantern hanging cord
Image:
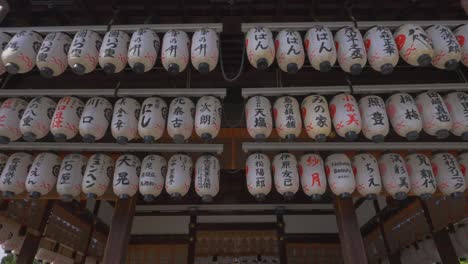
<point>241,68</point>
<point>115,12</point>
<point>349,10</point>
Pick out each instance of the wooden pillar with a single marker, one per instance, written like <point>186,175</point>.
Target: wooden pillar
<point>94,216</point>
<point>352,245</point>
<point>282,252</point>
<point>119,233</point>
<point>393,258</point>
<point>192,238</point>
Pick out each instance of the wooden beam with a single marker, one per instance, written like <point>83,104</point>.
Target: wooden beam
<point>192,238</point>
<point>94,216</point>
<point>281,238</point>
<point>395,257</point>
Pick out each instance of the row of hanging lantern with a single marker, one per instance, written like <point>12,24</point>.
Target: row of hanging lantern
<point>364,173</point>
<point>76,173</point>
<point>437,45</point>
<point>129,120</point>
<point>371,115</point>
<point>52,54</point>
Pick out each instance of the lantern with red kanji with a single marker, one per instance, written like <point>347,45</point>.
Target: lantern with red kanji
<point>66,118</point>
<point>320,48</point>
<point>83,55</point>
<point>312,174</point>
<point>143,50</point>
<point>414,45</point>
<point>260,47</point>
<point>345,115</point>
<point>19,55</point>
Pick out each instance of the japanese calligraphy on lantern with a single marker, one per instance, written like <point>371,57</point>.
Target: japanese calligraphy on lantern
<point>258,174</point>
<point>124,126</point>
<point>422,178</point>
<point>457,106</point>
<point>289,51</point>
<point>179,175</point>
<point>351,53</point>
<point>207,173</point>
<point>449,176</point>
<point>98,173</point>
<point>340,175</point>
<point>113,55</point>
<point>205,51</point>
<point>143,50</point>
<point>51,59</point>
<point>286,175</point>
<point>394,175</point>
<point>414,45</point>
<point>208,117</point>
<point>260,47</point>
<point>42,175</point>
<point>66,118</point>
<point>95,119</point>
<point>180,120</point>
<point>13,178</point>
<point>258,117</point>
<point>153,118</point>
<point>35,123</point>
<point>153,172</point>
<point>316,117</point>
<point>366,171</point>
<point>70,176</point>
<point>19,55</point>
<point>320,48</point>
<point>83,54</point>
<point>447,52</point>
<point>381,49</point>
<point>375,125</point>
<point>461,34</point>
<point>175,51</point>
<point>344,112</point>
<point>10,114</point>
<point>287,116</point>
<point>404,115</point>
<point>435,115</point>
<point>312,174</point>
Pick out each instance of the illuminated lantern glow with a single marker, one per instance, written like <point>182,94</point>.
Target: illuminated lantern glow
<point>13,178</point>
<point>42,175</point>
<point>4,39</point>
<point>258,174</point>
<point>394,175</point>
<point>51,59</point>
<point>113,55</point>
<point>95,119</point>
<point>153,172</point>
<point>98,173</point>
<point>124,125</point>
<point>8,228</point>
<point>289,51</point>
<point>126,176</point>
<point>260,47</point>
<point>414,45</point>
<point>208,117</point>
<point>449,176</point>
<point>11,112</point>
<point>463,161</point>
<point>320,48</point>
<point>423,183</point>
<point>404,115</point>
<point>366,171</point>
<point>180,120</point>
<point>345,115</point>
<point>179,175</point>
<point>457,105</point>
<point>207,174</point>
<point>312,174</point>
<point>258,117</point>
<point>461,34</point>
<point>381,48</point>
<point>35,123</point>
<point>286,175</point>
<point>19,55</point>
<point>204,51</point>
<point>71,176</point>
<point>66,118</point>
<point>435,115</point>
<point>143,50</point>
<point>153,119</point>
<point>375,125</point>
<point>316,116</point>
<point>340,175</point>
<point>83,54</point>
<point>175,54</point>
<point>287,116</point>
<point>447,51</point>
<point>350,49</point>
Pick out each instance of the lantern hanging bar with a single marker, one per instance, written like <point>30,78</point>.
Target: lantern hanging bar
<point>409,88</point>
<point>294,91</point>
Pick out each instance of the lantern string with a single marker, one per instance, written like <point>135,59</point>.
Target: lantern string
<point>241,68</point>
<point>115,12</point>
<point>461,75</point>
<point>116,89</point>
<point>350,84</point>
<point>349,10</point>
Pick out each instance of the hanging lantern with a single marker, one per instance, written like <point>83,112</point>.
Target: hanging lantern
<point>98,173</point>
<point>71,176</point>
<point>205,51</point>
<point>35,123</point>
<point>381,49</point>
<point>435,116</point>
<point>175,51</point>
<point>320,48</point>
<point>8,228</point>
<point>153,172</point>
<point>42,175</point>
<point>4,39</point>
<point>113,54</point>
<point>414,45</point>
<point>51,59</point>
<point>340,175</point>
<point>208,117</point>
<point>448,175</point>
<point>66,118</point>
<point>289,51</point>
<point>153,118</point>
<point>312,174</point>
<point>83,55</point>
<point>457,106</point>
<point>124,125</point>
<point>260,47</point>
<point>3,161</point>
<point>317,121</point>
<point>366,171</point>
<point>461,34</point>
<point>258,174</point>
<point>19,56</point>
<point>287,116</point>
<point>447,51</point>
<point>422,178</point>
<point>286,175</point>
<point>350,49</point>
<point>404,115</point>
<point>207,173</point>
<point>95,119</point>
<point>463,161</point>
<point>127,170</point>
<point>180,119</point>
<point>11,112</point>
<point>375,125</point>
<point>14,174</point>
<point>394,175</point>
<point>344,112</point>
<point>258,117</point>
<point>143,50</point>
<point>179,175</point>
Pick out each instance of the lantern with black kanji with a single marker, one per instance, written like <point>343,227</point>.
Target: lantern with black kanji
<point>457,105</point>
<point>345,115</point>
<point>179,175</point>
<point>207,175</point>
<point>66,118</point>
<point>12,181</point>
<point>461,34</point>
<point>71,176</point>
<point>124,126</point>
<point>204,52</point>
<point>286,175</point>
<point>35,123</point>
<point>99,171</point>
<point>126,176</point>
<point>260,47</point>
<point>152,121</point>
<point>375,125</point>
<point>340,175</point>
<point>449,176</point>
<point>258,174</point>
<point>153,172</point>
<point>447,51</point>
<point>11,112</point>
<point>208,113</point>
<point>463,161</point>
<point>366,171</point>
<point>113,55</point>
<point>320,48</point>
<point>83,54</point>
<point>312,174</point>
<point>180,119</point>
<point>95,119</point>
<point>423,183</point>
<point>394,175</point>
<point>258,117</point>
<point>42,175</point>
<point>287,116</point>
<point>143,50</point>
<point>414,45</point>
<point>51,59</point>
<point>289,51</point>
<point>404,115</point>
<point>435,116</point>
<point>19,55</point>
<point>175,53</point>
<point>4,39</point>
<point>316,116</point>
<point>350,49</point>
<point>382,52</point>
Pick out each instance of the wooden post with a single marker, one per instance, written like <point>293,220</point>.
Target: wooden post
<point>352,245</point>
<point>281,238</point>
<point>119,233</point>
<point>393,258</point>
<point>95,212</point>
<point>192,238</point>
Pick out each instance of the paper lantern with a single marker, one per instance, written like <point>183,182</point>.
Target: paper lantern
<point>340,175</point>
<point>286,175</point>
<point>449,176</point>
<point>207,174</point>
<point>366,171</point>
<point>312,174</point>
<point>375,125</point>
<point>287,116</point>
<point>345,115</point>
<point>113,55</point>
<point>42,175</point>
<point>414,45</point>
<point>457,106</point>
<point>289,51</point>
<point>143,50</point>
<point>4,39</point>
<point>461,34</point>
<point>126,173</point>
<point>179,175</point>
<point>12,181</point>
<point>381,48</point>
<point>260,47</point>
<point>175,54</point>
<point>316,116</point>
<point>258,117</point>
<point>180,120</point>
<point>153,172</point>
<point>258,174</point>
<point>320,48</point>
<point>124,126</point>
<point>350,49</point>
<point>208,117</point>
<point>423,183</point>
<point>66,118</point>
<point>447,51</point>
<point>204,51</point>
<point>19,55</point>
<point>99,171</point>
<point>83,54</point>
<point>435,116</point>
<point>3,161</point>
<point>152,121</point>
<point>11,112</point>
<point>35,123</point>
<point>394,175</point>
<point>51,59</point>
<point>463,161</point>
<point>94,122</point>
<point>404,115</point>
<point>71,176</point>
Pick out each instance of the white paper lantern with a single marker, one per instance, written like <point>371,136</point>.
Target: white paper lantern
<point>375,125</point>
<point>208,117</point>
<point>12,181</point>
<point>175,54</point>
<point>394,175</point>
<point>35,123</point>
<point>127,171</point>
<point>94,122</point>
<point>435,115</point>
<point>344,112</point>
<point>381,48</point>
<point>66,119</point>
<point>51,59</point>
<point>320,48</point>
<point>143,50</point>
<point>11,112</point>
<point>366,171</point>
<point>404,115</point>
<point>463,161</point>
<point>124,125</point>
<point>4,39</point>
<point>449,177</point>
<point>287,116</point>
<point>179,175</point>
<point>205,51</point>
<point>414,45</point>
<point>312,174</point>
<point>83,55</point>
<point>258,174</point>
<point>258,117</point>
<point>350,49</point>
<point>71,176</point>
<point>113,55</point>
<point>42,175</point>
<point>289,51</point>
<point>457,105</point>
<point>423,183</point>
<point>3,161</point>
<point>153,118</point>
<point>316,116</point>
<point>447,51</point>
<point>340,175</point>
<point>461,34</point>
<point>286,175</point>
<point>207,176</point>
<point>180,119</point>
<point>260,47</point>
<point>153,172</point>
<point>99,171</point>
<point>19,56</point>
